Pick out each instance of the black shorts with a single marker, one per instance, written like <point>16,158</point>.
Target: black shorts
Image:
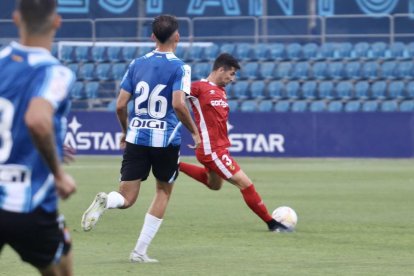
<point>40,238</point>
<point>138,160</point>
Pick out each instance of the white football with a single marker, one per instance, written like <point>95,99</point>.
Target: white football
<point>286,216</point>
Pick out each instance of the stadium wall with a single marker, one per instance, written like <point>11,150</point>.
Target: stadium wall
<point>361,135</point>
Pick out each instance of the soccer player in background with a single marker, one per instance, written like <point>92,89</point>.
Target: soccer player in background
<point>209,103</point>
<point>33,105</point>
<point>157,83</point>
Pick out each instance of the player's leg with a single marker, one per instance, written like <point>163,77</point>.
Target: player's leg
<point>165,169</point>
<point>135,168</point>
<point>209,178</point>
<point>63,268</point>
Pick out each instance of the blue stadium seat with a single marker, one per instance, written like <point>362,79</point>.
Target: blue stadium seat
<point>87,71</point>
<point>265,106</point>
<point>74,67</point>
<point>118,71</point>
<point>194,53</point>
<point>260,52</point>
<point>240,89</point>
<point>405,70</point>
<point>378,50</point>
<point>389,106</point>
<point>370,70</point>
<point>294,51</point>
<point>129,53</point>
<point>407,106</point>
<point>143,50</point>
<point>53,51</point>
<point>257,90</point>
<point>352,106</point>
<point>249,70</point>
<point>410,89</point>
<point>309,89</point>
<point>277,51</point>
<point>379,90</point>
<point>299,106</point>
<point>282,106</point>
<point>103,71</point>
<point>180,52</point>
<point>317,106</point>
<point>353,70</point>
<point>267,70</point>
<point>248,106</point>
<point>228,48</point>
<point>319,70</point>
<point>370,106</point>
<point>276,89</point>
<point>243,51</point>
<point>343,51</point>
<point>344,90</point>
<point>310,51</point>
<point>211,52</point>
<point>325,90</point>
<point>82,54</point>
<point>200,70</point>
<point>114,53</point>
<point>335,106</point>
<point>326,50</point>
<point>76,91</point>
<point>292,89</point>
<point>360,50</point>
<point>410,50</point>
<point>66,54</point>
<point>300,70</point>
<point>396,90</point>
<point>283,70</point>
<point>397,51</point>
<point>233,105</point>
<point>335,70</point>
<point>99,54</point>
<point>362,90</point>
<point>111,106</point>
<point>91,89</point>
<point>388,69</point>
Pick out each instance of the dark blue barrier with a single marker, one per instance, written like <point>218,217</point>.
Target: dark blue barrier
<point>274,134</point>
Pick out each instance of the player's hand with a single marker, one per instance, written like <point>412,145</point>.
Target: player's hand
<point>197,141</point>
<point>65,185</point>
<point>122,142</point>
<point>68,154</point>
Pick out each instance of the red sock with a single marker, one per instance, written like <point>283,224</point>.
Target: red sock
<point>255,202</point>
<point>196,172</point>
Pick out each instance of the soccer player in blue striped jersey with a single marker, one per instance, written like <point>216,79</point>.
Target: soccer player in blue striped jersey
<point>157,83</point>
<point>33,104</point>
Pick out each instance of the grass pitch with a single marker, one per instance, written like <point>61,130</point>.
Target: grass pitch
<point>355,218</point>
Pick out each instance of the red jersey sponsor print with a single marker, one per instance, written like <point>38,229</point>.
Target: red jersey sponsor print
<point>211,110</point>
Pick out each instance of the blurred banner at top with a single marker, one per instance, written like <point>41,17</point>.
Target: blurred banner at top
<point>191,8</point>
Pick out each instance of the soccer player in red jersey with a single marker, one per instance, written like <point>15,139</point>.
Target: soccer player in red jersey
<point>209,103</point>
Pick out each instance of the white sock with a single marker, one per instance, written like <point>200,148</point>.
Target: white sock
<point>149,229</point>
<point>115,200</point>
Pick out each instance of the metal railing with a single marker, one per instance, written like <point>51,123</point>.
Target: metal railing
<point>387,28</point>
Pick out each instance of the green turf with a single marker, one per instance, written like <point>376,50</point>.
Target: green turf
<point>355,218</point>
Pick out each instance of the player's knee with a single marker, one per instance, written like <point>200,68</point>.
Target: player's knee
<point>215,186</point>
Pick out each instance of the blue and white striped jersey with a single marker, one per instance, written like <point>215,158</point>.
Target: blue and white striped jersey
<point>27,72</point>
<point>151,80</point>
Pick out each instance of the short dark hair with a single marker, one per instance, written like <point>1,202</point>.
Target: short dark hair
<point>164,26</point>
<point>36,14</point>
<point>226,61</point>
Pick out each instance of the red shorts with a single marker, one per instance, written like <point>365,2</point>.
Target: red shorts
<point>219,162</point>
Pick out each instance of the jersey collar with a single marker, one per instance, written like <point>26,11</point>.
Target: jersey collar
<point>24,48</point>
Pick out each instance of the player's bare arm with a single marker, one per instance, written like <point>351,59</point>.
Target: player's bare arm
<point>122,113</point>
<point>183,114</point>
<point>38,119</point>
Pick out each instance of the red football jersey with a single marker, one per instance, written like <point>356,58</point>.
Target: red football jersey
<point>211,110</point>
